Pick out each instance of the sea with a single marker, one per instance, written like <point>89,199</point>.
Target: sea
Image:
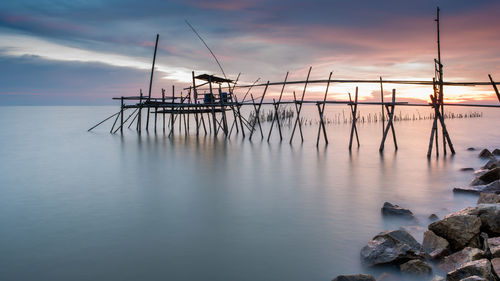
<point>79,205</point>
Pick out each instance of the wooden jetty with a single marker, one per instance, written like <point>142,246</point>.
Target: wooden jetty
<point>212,101</point>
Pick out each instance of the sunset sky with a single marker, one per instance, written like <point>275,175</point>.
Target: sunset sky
<point>85,52</point>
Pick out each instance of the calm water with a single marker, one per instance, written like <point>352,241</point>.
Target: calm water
<point>93,206</point>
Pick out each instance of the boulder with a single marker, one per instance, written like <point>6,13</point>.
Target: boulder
<point>460,258</point>
<point>485,153</point>
<point>494,246</point>
<point>460,229</point>
<point>467,169</point>
<point>474,278</point>
<point>480,268</point>
<point>496,151</point>
<point>435,246</point>
<point>471,149</point>
<point>488,198</point>
<point>356,277</point>
<point>416,268</point>
<point>490,176</point>
<point>493,187</point>
<point>433,217</point>
<point>391,247</point>
<point>394,210</point>
<point>491,164</point>
<point>387,276</point>
<point>495,264</point>
<point>490,218</point>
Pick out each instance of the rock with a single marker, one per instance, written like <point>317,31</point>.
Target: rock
<point>416,268</point>
<point>485,153</point>
<point>480,268</point>
<point>495,264</point>
<point>460,258</point>
<point>490,176</point>
<point>493,187</point>
<point>467,169</point>
<point>488,198</point>
<point>490,218</point>
<point>491,164</point>
<point>433,217</point>
<point>461,229</point>
<point>494,246</point>
<point>386,276</point>
<point>471,149</point>
<point>394,210</point>
<point>435,246</point>
<point>356,277</point>
<point>496,151</point>
<point>391,247</point>
<point>473,278</point>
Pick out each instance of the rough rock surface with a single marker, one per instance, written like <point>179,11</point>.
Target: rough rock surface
<point>460,258</point>
<point>467,169</point>
<point>433,217</point>
<point>490,176</point>
<point>437,278</point>
<point>494,245</point>
<point>495,264</point>
<point>492,187</point>
<point>435,246</point>
<point>391,247</point>
<point>493,163</point>
<point>485,153</point>
<point>490,218</point>
<point>416,268</point>
<point>488,198</point>
<point>474,278</point>
<point>460,229</point>
<point>496,151</point>
<point>356,277</point>
<point>480,268</point>
<point>394,210</point>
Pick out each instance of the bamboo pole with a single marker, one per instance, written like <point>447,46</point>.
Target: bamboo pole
<point>124,122</point>
<point>163,107</point>
<point>321,111</point>
<point>494,87</point>
<point>257,114</point>
<point>121,118</point>
<point>103,121</point>
<point>151,79</point>
<point>299,109</point>
<point>389,123</point>
<point>354,110</point>
<point>276,111</point>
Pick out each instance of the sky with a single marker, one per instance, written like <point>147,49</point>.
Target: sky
<point>83,52</point>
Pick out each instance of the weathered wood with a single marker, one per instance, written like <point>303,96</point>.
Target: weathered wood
<point>494,87</point>
<point>121,118</point>
<point>163,100</point>
<point>257,115</point>
<point>299,109</point>
<point>354,113</point>
<point>276,111</point>
<point>125,122</point>
<point>389,123</point>
<point>151,79</point>
<point>382,104</point>
<point>139,118</point>
<point>321,111</point>
<point>93,127</point>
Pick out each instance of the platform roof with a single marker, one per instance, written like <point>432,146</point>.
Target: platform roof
<point>214,79</point>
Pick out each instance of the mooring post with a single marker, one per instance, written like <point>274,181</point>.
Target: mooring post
<point>151,79</point>
<point>321,110</point>
<point>299,109</point>
<point>390,122</point>
<point>139,118</point>
<point>354,110</point>
<point>121,114</point>
<point>172,121</point>
<point>276,111</point>
<point>124,122</point>
<point>163,107</point>
<point>212,101</point>
<point>494,87</point>
<point>382,105</point>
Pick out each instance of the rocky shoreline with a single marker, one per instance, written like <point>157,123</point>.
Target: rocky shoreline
<point>463,246</point>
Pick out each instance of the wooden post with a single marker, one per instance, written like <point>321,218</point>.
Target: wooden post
<point>124,122</point>
<point>103,121</point>
<point>121,121</point>
<point>163,107</point>
<point>151,79</point>
<point>257,113</point>
<point>276,111</point>
<point>212,101</point>
<point>139,119</point>
<point>299,109</point>
<point>354,110</point>
<point>494,87</point>
<point>382,105</point>
<point>321,111</point>
<point>172,121</point>
<point>390,122</point>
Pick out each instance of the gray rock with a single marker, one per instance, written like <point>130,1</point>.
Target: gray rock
<point>480,268</point>
<point>490,176</point>
<point>433,217</point>
<point>386,276</point>
<point>435,246</point>
<point>496,151</point>
<point>391,247</point>
<point>437,278</point>
<point>460,258</point>
<point>494,246</point>
<point>394,210</point>
<point>491,164</point>
<point>467,169</point>
<point>474,278</point>
<point>488,198</point>
<point>460,229</point>
<point>485,153</point>
<point>490,218</point>
<point>495,264</point>
<point>471,149</point>
<point>493,187</point>
<point>416,268</point>
<point>356,277</point>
